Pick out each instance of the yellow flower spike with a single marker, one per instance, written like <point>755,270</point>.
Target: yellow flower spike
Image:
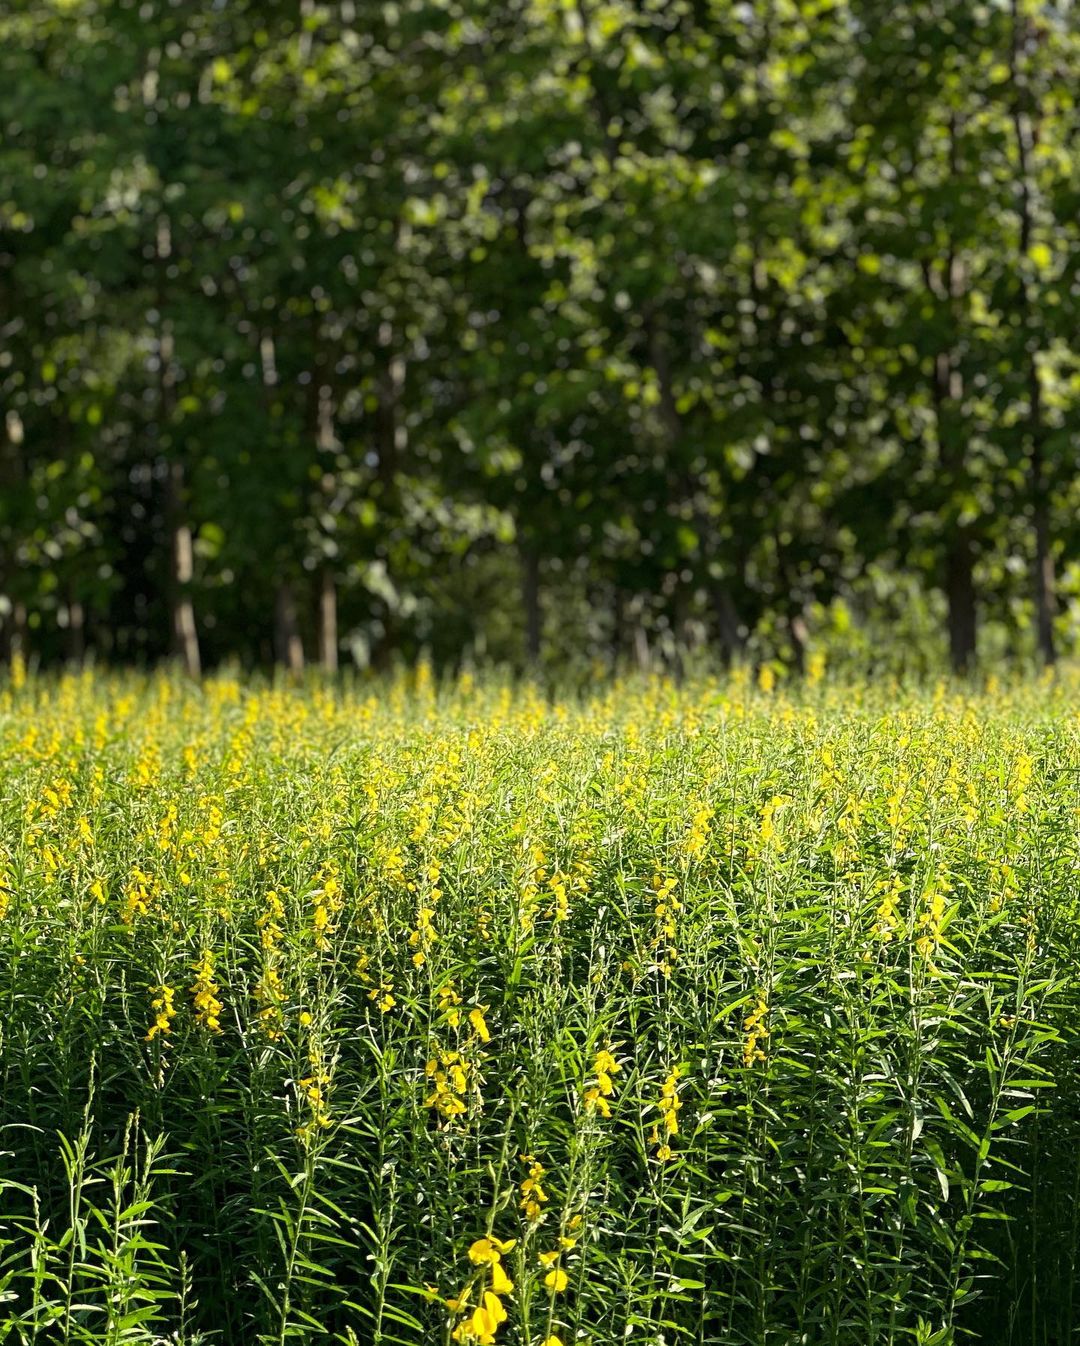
<point>164,1011</point>
<point>204,991</point>
<point>479,1023</point>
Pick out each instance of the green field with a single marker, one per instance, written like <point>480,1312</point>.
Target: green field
<point>390,1012</point>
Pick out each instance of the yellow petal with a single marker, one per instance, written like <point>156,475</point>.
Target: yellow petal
<point>482,1251</point>
<point>493,1305</point>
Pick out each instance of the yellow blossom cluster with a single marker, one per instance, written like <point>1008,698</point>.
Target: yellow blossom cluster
<point>668,1106</point>
<point>598,1094</point>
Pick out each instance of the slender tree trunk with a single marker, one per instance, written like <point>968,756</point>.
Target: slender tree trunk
<point>391,441</point>
<point>184,633</point>
<point>727,622</point>
<point>960,595</point>
<point>530,599</point>
<point>618,627</point>
<point>960,544</point>
<point>799,637</point>
<point>391,432</point>
<point>320,413</point>
<point>288,646</point>
<point>642,652</point>
<point>1045,583</point>
<point>947,390</point>
<point>1025,130</point>
<point>328,623</point>
<point>185,636</point>
<point>13,629</point>
<point>76,631</point>
<point>12,474</point>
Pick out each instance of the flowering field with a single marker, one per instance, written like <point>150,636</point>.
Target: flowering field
<point>719,1013</point>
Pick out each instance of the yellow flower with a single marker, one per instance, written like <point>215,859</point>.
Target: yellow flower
<point>204,991</point>
<point>596,1102</point>
<point>596,1096</point>
<point>668,1107</point>
<point>482,1325</point>
<point>533,1195</point>
<point>556,1280</point>
<point>487,1251</point>
<point>479,1024</point>
<point>164,1011</point>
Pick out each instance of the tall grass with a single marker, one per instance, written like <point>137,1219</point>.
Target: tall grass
<point>713,1014</point>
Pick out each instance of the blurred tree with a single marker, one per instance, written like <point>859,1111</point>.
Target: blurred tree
<point>534,330</point>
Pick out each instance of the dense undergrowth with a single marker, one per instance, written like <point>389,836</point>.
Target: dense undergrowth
<point>387,1013</point>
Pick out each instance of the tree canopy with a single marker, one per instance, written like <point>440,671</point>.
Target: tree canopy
<point>530,329</point>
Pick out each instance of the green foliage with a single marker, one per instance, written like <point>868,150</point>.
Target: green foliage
<point>752,1013</point>
<point>685,317</point>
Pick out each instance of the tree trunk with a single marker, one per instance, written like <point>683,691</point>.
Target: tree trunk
<point>288,646</point>
<point>1045,587</point>
<point>530,598</point>
<point>618,627</point>
<point>13,627</point>
<point>799,637</point>
<point>960,595</point>
<point>12,478</point>
<point>960,544</point>
<point>320,411</point>
<point>185,636</point>
<point>947,390</point>
<point>1025,129</point>
<point>642,652</point>
<point>727,622</point>
<point>76,632</point>
<point>391,432</point>
<point>328,627</point>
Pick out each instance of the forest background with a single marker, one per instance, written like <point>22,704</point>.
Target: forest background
<point>539,331</point>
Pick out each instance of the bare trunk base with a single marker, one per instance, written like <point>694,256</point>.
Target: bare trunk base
<point>530,598</point>
<point>960,593</point>
<point>1045,586</point>
<point>76,632</point>
<point>328,627</point>
<point>727,623</point>
<point>288,646</point>
<point>13,627</point>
